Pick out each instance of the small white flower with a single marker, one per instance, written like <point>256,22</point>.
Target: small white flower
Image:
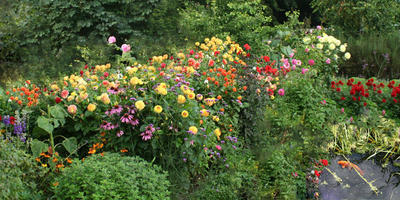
<point>347,55</point>
<point>342,48</point>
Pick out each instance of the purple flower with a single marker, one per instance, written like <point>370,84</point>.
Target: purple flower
<point>6,120</point>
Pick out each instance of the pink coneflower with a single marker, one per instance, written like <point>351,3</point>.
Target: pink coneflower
<point>134,122</point>
<point>148,133</point>
<point>120,133</point>
<point>116,110</point>
<point>126,118</point>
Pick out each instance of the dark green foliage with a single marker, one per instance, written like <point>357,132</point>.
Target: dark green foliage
<point>359,17</point>
<point>243,20</point>
<point>19,173</point>
<point>374,56</point>
<point>62,20</point>
<point>280,7</point>
<point>239,180</point>
<point>112,177</point>
<point>281,169</point>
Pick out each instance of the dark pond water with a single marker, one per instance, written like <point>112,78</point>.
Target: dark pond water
<point>353,187</point>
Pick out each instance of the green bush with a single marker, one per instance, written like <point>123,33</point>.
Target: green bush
<point>112,177</point>
<point>355,17</point>
<point>243,20</point>
<point>19,172</point>
<point>238,180</point>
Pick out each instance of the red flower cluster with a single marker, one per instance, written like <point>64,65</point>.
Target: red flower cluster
<point>359,92</point>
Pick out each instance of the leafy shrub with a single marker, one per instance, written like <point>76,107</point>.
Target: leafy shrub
<point>112,177</point>
<point>281,169</point>
<point>245,21</point>
<point>355,17</point>
<point>239,179</point>
<point>19,174</point>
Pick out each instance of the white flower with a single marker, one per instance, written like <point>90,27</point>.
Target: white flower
<point>347,55</point>
<point>342,48</point>
<point>306,40</point>
<point>320,46</point>
<point>337,42</point>
<point>206,81</point>
<point>332,46</point>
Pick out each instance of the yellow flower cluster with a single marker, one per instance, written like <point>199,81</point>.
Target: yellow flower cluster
<point>136,81</point>
<point>188,92</point>
<point>210,101</point>
<point>102,68</point>
<point>161,89</point>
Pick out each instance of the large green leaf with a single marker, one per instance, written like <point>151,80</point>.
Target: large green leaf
<point>70,144</point>
<point>45,124</point>
<point>58,112</point>
<point>38,132</point>
<point>38,147</point>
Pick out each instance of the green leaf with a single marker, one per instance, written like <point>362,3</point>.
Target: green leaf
<point>70,144</point>
<point>38,147</point>
<point>38,132</point>
<point>58,112</point>
<point>45,124</point>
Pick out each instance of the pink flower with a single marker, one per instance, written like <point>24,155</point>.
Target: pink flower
<point>291,55</point>
<point>319,27</point>
<point>383,112</point>
<point>323,102</point>
<point>311,62</point>
<point>111,40</point>
<point>307,50</point>
<point>304,70</point>
<point>72,109</point>
<point>342,110</point>
<point>125,48</point>
<point>328,61</point>
<point>281,91</point>
<point>218,147</point>
<point>120,133</point>
<point>64,94</point>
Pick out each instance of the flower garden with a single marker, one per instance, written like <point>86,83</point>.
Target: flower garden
<point>218,119</point>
